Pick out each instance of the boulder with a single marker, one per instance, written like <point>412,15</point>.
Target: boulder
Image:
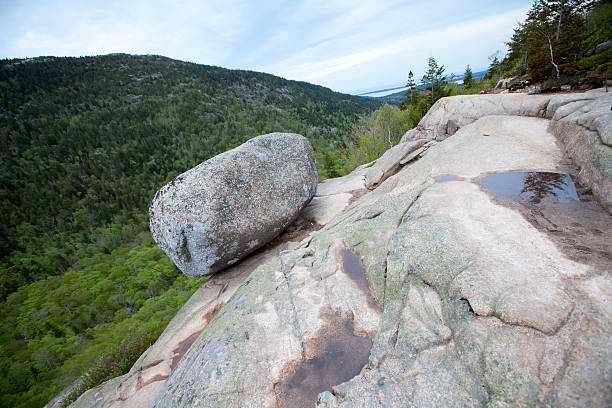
<point>139,387</point>
<point>505,82</point>
<point>599,48</point>
<point>228,206</point>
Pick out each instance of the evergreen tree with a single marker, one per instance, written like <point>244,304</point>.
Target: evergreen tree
<point>494,66</point>
<point>411,85</point>
<point>467,77</point>
<point>554,39</point>
<point>434,77</point>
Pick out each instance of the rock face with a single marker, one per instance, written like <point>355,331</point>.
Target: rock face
<point>471,277</point>
<point>390,162</point>
<point>225,208</point>
<point>585,129</point>
<point>452,113</point>
<point>581,121</point>
<point>457,297</point>
<point>333,195</point>
<point>139,387</point>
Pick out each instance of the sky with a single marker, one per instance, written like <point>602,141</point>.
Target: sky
<point>347,45</point>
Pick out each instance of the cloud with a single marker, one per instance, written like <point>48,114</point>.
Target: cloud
<point>343,44</point>
<point>189,30</point>
<point>487,34</point>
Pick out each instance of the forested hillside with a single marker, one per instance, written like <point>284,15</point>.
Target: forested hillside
<point>85,144</point>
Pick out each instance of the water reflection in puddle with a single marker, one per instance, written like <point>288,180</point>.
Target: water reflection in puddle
<point>533,186</point>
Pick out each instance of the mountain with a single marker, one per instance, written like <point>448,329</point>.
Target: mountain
<point>85,144</point>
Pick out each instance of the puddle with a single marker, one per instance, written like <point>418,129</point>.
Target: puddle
<point>351,265</point>
<point>580,228</point>
<point>533,187</point>
<point>445,178</point>
<point>341,354</point>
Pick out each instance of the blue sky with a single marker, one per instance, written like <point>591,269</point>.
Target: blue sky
<point>349,46</point>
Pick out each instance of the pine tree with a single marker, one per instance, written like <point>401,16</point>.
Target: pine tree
<point>552,39</point>
<point>467,77</point>
<point>433,76</point>
<point>495,66</point>
<point>411,86</point>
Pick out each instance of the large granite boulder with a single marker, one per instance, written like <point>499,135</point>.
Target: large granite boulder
<point>225,208</point>
<point>147,376</point>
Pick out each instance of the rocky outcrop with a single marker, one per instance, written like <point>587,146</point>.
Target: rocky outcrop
<point>334,195</point>
<point>454,296</point>
<point>452,113</point>
<point>139,387</point>
<point>581,121</point>
<point>474,276</point>
<point>390,162</point>
<point>225,208</point>
<point>599,48</point>
<point>585,129</point>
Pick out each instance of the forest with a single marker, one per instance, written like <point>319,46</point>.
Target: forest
<point>86,142</point>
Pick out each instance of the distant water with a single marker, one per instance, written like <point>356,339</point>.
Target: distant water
<point>391,89</point>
